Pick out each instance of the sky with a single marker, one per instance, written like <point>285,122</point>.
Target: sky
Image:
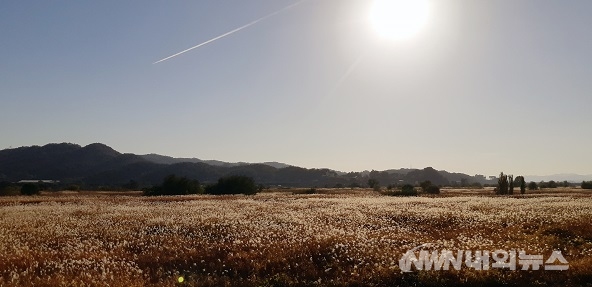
<point>483,87</point>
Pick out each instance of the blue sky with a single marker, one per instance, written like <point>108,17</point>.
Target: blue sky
<point>484,87</point>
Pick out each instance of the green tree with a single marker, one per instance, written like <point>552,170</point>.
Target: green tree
<point>586,184</point>
<point>7,188</point>
<point>372,183</point>
<point>533,186</point>
<point>425,185</point>
<point>522,183</point>
<point>464,182</point>
<point>29,189</point>
<point>433,189</point>
<point>173,185</point>
<point>235,184</point>
<point>406,190</point>
<point>502,184</point>
<point>511,183</point>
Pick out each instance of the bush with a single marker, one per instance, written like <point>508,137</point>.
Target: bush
<point>29,189</point>
<point>373,183</point>
<point>235,184</point>
<point>7,188</point>
<point>406,190</point>
<point>428,187</point>
<point>73,187</point>
<point>173,185</point>
<point>586,184</point>
<point>424,185</point>
<point>432,189</point>
<point>533,186</point>
<point>552,184</point>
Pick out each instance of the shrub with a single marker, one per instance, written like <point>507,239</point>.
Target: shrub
<point>433,189</point>
<point>73,187</point>
<point>406,190</point>
<point>424,185</point>
<point>7,188</point>
<point>428,187</point>
<point>373,183</point>
<point>173,185</point>
<point>586,184</point>
<point>235,184</point>
<point>29,189</point>
<point>533,186</point>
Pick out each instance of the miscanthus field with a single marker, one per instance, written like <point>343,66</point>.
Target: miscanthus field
<point>337,238</point>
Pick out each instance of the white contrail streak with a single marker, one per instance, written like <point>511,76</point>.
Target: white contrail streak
<point>232,32</point>
<point>347,73</point>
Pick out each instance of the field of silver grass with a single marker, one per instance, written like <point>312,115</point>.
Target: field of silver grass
<point>283,239</point>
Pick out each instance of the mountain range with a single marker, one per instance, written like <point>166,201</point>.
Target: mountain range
<point>98,165</point>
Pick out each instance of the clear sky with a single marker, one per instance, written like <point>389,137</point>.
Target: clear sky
<point>481,87</point>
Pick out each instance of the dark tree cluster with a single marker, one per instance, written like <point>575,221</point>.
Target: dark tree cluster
<point>506,184</point>
<point>406,190</point>
<point>586,184</point>
<point>173,185</point>
<point>29,189</point>
<point>548,184</point>
<point>428,187</point>
<point>520,180</point>
<point>502,184</point>
<point>234,184</point>
<point>533,186</point>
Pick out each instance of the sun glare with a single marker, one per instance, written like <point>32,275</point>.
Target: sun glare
<point>398,19</point>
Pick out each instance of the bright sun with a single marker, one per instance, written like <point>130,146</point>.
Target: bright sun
<point>398,19</point>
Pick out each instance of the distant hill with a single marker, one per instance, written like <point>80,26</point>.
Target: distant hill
<point>162,159</point>
<point>570,177</point>
<point>100,165</point>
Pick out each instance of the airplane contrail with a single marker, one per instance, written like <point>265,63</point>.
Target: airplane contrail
<point>347,73</point>
<point>232,32</point>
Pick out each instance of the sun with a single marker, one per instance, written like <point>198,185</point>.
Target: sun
<point>398,19</point>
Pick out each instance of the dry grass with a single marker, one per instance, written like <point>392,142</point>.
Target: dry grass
<point>280,239</point>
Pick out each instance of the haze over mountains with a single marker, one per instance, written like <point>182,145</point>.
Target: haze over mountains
<point>100,165</point>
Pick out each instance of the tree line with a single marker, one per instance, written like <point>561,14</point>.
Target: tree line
<point>234,184</point>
